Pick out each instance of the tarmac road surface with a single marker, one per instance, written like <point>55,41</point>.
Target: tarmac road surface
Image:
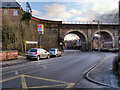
<point>60,72</point>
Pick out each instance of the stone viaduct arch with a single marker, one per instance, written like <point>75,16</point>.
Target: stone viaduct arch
<point>81,35</point>
<point>107,38</point>
<point>86,32</point>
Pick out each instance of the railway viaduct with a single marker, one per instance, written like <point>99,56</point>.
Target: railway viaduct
<point>109,34</point>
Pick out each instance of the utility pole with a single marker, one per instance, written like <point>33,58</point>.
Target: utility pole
<point>119,25</point>
<point>99,44</point>
<point>119,29</point>
<point>119,40</point>
<point>119,12</point>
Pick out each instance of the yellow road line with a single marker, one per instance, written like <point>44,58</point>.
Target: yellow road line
<point>49,86</point>
<point>46,79</point>
<point>24,85</point>
<point>70,85</point>
<point>9,79</point>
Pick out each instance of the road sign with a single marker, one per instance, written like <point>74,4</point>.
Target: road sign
<point>40,28</point>
<point>31,42</point>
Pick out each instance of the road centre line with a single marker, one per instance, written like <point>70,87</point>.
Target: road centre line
<point>21,69</point>
<point>17,70</point>
<point>30,72</point>
<point>16,73</point>
<point>26,67</point>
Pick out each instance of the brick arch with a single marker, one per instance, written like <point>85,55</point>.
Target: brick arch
<point>106,32</point>
<point>79,31</point>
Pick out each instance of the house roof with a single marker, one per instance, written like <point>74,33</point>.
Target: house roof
<point>11,5</point>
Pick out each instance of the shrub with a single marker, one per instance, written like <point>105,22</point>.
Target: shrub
<point>116,65</point>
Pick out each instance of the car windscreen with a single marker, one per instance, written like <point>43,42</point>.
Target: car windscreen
<point>52,49</point>
<point>33,50</point>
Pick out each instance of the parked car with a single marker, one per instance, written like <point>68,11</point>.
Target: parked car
<point>55,52</point>
<point>37,53</point>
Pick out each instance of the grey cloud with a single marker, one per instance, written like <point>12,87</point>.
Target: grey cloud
<point>109,17</point>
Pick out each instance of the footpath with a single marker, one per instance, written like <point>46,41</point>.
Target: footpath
<point>102,74</point>
<point>21,59</point>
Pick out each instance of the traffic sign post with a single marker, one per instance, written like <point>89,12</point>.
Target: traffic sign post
<point>41,32</point>
<point>30,42</point>
<point>40,29</point>
<point>40,41</point>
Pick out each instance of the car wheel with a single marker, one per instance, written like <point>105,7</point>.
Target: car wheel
<point>38,58</point>
<point>56,55</point>
<point>27,58</point>
<point>48,56</point>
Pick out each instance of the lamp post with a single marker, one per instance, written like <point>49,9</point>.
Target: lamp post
<point>119,25</point>
<point>98,22</point>
<point>119,12</point>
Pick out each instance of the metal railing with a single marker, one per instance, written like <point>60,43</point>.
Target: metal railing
<point>86,22</point>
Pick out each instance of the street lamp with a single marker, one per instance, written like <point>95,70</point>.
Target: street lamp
<point>98,22</point>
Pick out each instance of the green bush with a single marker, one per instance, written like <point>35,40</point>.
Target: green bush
<point>116,65</point>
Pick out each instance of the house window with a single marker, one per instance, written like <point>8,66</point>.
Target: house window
<point>15,13</point>
<point>5,12</point>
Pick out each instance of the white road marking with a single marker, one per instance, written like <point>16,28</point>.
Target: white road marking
<point>44,66</point>
<point>16,73</point>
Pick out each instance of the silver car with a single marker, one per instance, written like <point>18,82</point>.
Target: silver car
<point>37,53</point>
<point>55,52</point>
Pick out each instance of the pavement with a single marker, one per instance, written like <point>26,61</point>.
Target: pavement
<point>101,74</point>
<point>20,60</point>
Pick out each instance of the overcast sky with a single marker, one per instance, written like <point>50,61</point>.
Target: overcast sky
<point>79,10</point>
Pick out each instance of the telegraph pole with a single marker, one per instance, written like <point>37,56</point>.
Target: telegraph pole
<point>119,39</point>
<point>119,12</point>
<point>119,24</point>
<point>119,29</point>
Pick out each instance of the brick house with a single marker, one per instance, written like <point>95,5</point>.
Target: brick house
<point>11,8</point>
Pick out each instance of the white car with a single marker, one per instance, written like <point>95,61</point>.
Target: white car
<point>37,53</point>
<point>55,52</point>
